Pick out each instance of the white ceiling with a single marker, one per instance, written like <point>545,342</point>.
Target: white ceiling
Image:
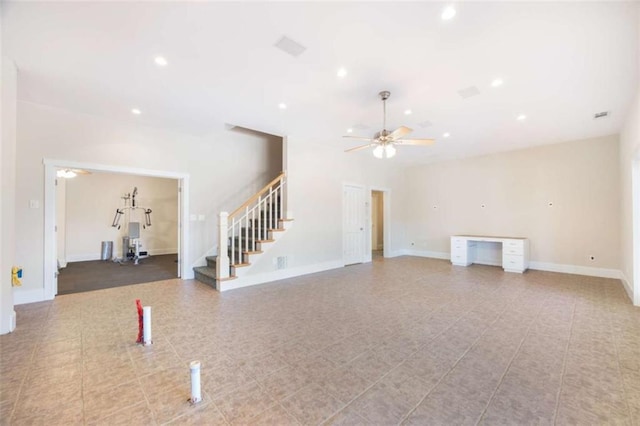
<point>561,63</point>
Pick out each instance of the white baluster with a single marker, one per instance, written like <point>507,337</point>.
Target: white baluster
<point>253,229</point>
<point>246,229</point>
<point>260,217</point>
<point>222,262</point>
<point>280,200</point>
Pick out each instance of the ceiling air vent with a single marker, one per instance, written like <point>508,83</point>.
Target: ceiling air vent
<point>289,46</point>
<point>425,123</point>
<point>602,114</point>
<point>469,92</point>
<point>360,126</point>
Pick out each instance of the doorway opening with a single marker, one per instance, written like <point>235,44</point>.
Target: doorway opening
<point>114,230</point>
<point>377,224</point>
<point>110,174</point>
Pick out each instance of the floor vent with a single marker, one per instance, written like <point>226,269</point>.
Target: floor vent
<point>281,262</point>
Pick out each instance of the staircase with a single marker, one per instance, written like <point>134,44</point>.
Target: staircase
<point>246,234</point>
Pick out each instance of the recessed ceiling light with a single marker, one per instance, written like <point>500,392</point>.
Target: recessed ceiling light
<point>448,13</point>
<point>282,105</point>
<point>161,61</point>
<point>349,130</point>
<point>407,112</point>
<point>446,134</point>
<point>136,111</point>
<point>342,73</point>
<point>521,117</point>
<point>497,82</point>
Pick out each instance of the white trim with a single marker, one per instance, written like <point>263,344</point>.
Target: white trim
<point>627,286</point>
<point>12,321</point>
<point>576,270</point>
<point>426,253</point>
<point>64,164</point>
<point>20,297</point>
<point>280,274</point>
<point>635,228</point>
<point>394,253</point>
<point>50,261</point>
<point>96,256</point>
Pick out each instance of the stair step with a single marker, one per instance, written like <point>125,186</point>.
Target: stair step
<point>240,265</point>
<point>211,261</point>
<point>205,275</point>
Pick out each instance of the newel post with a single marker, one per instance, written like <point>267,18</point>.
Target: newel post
<point>222,262</point>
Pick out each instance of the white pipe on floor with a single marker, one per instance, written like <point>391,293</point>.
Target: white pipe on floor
<point>196,395</point>
<point>146,325</point>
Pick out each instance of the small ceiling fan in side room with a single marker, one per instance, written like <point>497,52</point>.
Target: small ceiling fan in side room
<point>71,173</point>
<point>384,142</point>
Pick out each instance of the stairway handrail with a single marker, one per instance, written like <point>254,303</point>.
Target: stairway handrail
<point>257,195</point>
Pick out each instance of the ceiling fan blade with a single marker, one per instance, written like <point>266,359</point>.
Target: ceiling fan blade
<point>357,148</point>
<point>399,132</point>
<point>362,138</point>
<point>423,142</point>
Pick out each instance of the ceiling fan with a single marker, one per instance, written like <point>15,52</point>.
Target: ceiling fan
<point>384,141</point>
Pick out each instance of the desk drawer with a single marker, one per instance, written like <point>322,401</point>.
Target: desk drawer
<point>514,244</point>
<point>458,242</point>
<point>510,261</point>
<point>513,250</point>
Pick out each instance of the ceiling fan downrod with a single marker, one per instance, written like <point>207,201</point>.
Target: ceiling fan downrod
<point>384,95</point>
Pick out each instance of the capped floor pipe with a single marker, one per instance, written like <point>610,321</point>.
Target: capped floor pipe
<point>196,394</point>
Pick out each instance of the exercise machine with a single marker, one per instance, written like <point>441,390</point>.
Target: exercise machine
<point>131,244</point>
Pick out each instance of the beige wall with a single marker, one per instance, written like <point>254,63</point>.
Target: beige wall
<point>91,202</point>
<point>579,178</point>
<point>8,125</point>
<point>630,193</point>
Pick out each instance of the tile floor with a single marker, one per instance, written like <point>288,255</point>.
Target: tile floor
<point>398,341</point>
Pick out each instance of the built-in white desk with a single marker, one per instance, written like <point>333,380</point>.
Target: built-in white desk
<point>515,251</point>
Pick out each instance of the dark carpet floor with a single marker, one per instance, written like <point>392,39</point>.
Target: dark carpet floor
<point>98,274</point>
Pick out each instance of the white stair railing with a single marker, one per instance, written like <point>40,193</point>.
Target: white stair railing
<point>241,232</point>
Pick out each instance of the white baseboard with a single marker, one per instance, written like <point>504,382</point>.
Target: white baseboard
<point>12,321</point>
<point>627,286</point>
<point>426,253</point>
<point>395,253</point>
<point>21,296</point>
<point>96,256</point>
<point>540,266</point>
<point>280,274</point>
<point>576,270</point>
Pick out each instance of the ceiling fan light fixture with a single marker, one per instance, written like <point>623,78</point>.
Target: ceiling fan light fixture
<point>448,13</point>
<point>390,150</point>
<point>378,151</point>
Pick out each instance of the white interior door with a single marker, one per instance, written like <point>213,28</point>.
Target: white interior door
<point>354,221</point>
